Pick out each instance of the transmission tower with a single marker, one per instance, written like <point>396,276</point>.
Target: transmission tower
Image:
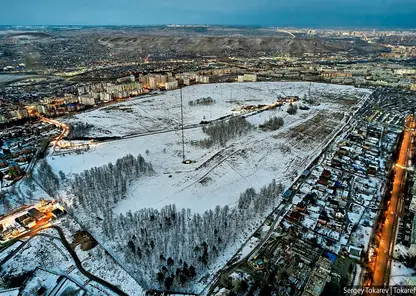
<point>313,67</point>
<point>183,137</point>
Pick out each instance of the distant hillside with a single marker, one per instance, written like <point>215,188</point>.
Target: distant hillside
<point>240,46</point>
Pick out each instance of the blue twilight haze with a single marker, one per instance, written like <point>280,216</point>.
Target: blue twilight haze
<point>300,13</point>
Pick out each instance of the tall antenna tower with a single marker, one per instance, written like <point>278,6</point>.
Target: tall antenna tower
<point>313,67</point>
<point>183,137</point>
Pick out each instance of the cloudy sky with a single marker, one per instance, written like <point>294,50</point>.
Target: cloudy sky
<point>345,13</point>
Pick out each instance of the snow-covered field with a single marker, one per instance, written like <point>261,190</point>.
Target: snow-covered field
<point>145,114</point>
<point>98,262</point>
<point>216,175</point>
<point>6,252</point>
<point>250,161</point>
<point>46,251</point>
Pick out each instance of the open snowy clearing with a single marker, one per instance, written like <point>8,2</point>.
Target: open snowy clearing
<point>47,252</point>
<point>161,112</point>
<point>219,174</point>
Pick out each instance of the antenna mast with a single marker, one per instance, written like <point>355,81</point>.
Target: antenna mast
<point>183,138</point>
<point>313,63</point>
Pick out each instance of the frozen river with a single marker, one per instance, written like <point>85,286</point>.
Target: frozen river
<point>11,77</point>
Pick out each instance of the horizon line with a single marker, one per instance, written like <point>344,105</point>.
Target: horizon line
<point>213,25</point>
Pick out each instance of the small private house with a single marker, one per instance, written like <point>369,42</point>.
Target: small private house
<point>305,173</point>
<point>21,218</point>
<point>287,194</point>
<point>257,264</point>
<point>29,222</point>
<point>36,214</point>
<point>294,217</point>
<point>355,252</point>
<point>14,170</point>
<point>57,212</point>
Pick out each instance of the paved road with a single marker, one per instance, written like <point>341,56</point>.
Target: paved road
<point>382,264</point>
<point>82,270</point>
<point>74,256</point>
<point>64,133</point>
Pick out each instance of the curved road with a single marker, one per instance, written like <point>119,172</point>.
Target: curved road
<point>74,256</point>
<point>64,133</point>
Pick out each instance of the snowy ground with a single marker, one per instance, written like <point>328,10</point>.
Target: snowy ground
<point>21,193</point>
<point>145,114</point>
<point>361,237</point>
<point>400,250</point>
<point>218,175</point>
<point>251,161</point>
<point>38,252</point>
<point>46,251</point>
<point>251,244</point>
<point>5,252</point>
<point>99,263</point>
<point>401,275</point>
<point>357,274</point>
<point>11,292</point>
